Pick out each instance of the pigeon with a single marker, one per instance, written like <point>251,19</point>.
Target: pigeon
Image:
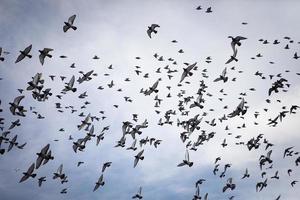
<point>44,53</point>
<point>41,180</point>
<point>70,85</point>
<point>186,161</point>
<point>222,77</point>
<point>187,72</point>
<point>28,174</point>
<point>24,53</point>
<point>69,24</point>
<point>99,183</point>
<point>233,57</point>
<point>15,108</point>
<point>236,41</point>
<point>151,29</point>
<point>138,157</point>
<point>138,195</point>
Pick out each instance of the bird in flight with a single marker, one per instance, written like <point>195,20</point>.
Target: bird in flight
<point>69,24</point>
<point>24,53</point>
<point>151,29</point>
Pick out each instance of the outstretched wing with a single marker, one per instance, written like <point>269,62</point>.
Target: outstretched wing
<point>20,57</point>
<point>149,32</point>
<point>27,49</point>
<point>71,19</point>
<point>18,99</point>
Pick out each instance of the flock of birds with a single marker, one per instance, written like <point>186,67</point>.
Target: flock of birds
<point>180,117</point>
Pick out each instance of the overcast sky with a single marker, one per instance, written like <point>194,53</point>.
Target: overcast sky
<point>116,32</point>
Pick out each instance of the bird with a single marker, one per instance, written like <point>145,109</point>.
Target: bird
<point>229,185</point>
<point>187,72</point>
<point>41,180</point>
<point>151,29</point>
<point>99,183</point>
<point>106,165</point>
<point>222,77</point>
<point>69,24</point>
<point>43,54</point>
<point>24,53</point>
<point>70,85</point>
<point>236,41</point>
<point>186,161</point>
<point>15,108</point>
<point>233,57</point>
<point>138,157</point>
<point>28,174</point>
<point>138,195</point>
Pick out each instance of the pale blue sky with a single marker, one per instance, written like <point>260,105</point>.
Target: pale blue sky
<point>116,32</point>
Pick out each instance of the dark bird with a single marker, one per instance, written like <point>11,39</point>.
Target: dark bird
<point>151,29</point>
<point>24,53</point>
<point>138,157</point>
<point>28,174</point>
<point>187,72</point>
<point>99,183</point>
<point>41,180</point>
<point>186,161</point>
<point>69,24</point>
<point>15,108</point>
<point>138,195</point>
<point>44,53</point>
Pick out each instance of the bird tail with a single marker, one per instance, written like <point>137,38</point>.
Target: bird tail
<point>74,27</point>
<point>74,89</point>
<point>29,56</point>
<point>1,58</point>
<point>155,31</point>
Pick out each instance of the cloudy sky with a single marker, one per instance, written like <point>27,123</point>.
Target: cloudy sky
<point>116,32</point>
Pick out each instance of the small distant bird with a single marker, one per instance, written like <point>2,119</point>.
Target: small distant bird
<point>208,10</point>
<point>99,183</point>
<point>151,29</point>
<point>41,180</point>
<point>138,157</point>
<point>24,53</point>
<point>138,195</point>
<point>69,24</point>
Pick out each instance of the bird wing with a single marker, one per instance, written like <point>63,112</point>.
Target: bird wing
<point>18,99</point>
<point>27,49</point>
<point>136,160</point>
<point>240,38</point>
<point>187,156</point>
<point>65,28</point>
<point>71,19</point>
<point>60,168</point>
<point>149,32</point>
<point>153,26</point>
<point>45,149</point>
<point>224,72</point>
<point>20,57</point>
<point>71,83</point>
<point>229,60</point>
<point>30,169</point>
<point>218,79</point>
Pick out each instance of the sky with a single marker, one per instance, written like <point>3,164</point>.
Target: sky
<point>115,31</point>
